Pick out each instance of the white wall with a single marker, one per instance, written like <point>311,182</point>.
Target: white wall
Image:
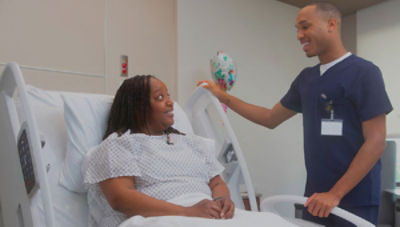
<point>261,37</point>
<point>55,35</point>
<point>145,30</point>
<point>349,32</point>
<point>82,41</point>
<point>378,32</point>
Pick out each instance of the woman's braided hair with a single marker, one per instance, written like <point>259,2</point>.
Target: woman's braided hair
<point>131,107</point>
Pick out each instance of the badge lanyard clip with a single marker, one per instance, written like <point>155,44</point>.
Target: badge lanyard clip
<point>331,126</point>
<point>329,109</point>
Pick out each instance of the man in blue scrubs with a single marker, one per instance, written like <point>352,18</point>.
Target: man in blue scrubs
<point>344,106</point>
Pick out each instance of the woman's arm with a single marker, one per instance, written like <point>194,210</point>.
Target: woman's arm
<point>122,196</point>
<point>221,194</point>
<point>218,187</point>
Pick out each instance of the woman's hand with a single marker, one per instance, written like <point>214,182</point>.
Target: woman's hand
<point>227,207</point>
<point>205,208</point>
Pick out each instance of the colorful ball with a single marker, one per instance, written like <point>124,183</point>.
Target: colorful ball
<point>223,70</point>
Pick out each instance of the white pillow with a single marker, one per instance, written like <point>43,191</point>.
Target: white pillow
<point>71,208</point>
<point>85,117</point>
<point>181,121</point>
<point>86,121</point>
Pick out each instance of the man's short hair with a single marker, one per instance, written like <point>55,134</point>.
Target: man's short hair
<point>329,10</point>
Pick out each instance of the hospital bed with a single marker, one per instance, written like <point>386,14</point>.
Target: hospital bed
<point>45,134</point>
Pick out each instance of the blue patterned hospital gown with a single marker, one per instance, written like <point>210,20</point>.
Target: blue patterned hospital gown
<point>161,170</point>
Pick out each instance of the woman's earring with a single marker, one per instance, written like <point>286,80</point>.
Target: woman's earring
<point>169,140</point>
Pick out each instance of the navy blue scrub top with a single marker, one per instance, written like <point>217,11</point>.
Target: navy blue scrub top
<point>355,87</point>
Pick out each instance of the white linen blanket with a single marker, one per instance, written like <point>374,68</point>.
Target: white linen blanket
<point>240,219</point>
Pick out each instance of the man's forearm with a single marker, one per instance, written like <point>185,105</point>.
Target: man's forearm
<point>269,118</point>
<point>362,163</point>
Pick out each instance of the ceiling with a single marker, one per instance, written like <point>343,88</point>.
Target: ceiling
<point>347,7</point>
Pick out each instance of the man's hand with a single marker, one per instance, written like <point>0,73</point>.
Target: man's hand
<point>321,204</point>
<point>227,207</point>
<point>214,88</point>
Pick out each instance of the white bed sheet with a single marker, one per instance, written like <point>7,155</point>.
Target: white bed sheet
<point>240,219</point>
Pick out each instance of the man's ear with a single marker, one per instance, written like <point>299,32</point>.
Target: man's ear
<point>332,24</point>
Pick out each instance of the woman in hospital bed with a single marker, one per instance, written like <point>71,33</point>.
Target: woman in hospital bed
<point>146,168</point>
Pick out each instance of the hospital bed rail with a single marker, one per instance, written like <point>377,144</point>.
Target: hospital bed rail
<point>270,204</point>
<point>198,109</point>
<point>15,202</point>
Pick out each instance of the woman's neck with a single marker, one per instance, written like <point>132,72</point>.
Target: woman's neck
<point>151,132</point>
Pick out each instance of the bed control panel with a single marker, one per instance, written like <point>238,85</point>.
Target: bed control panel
<point>228,153</point>
<point>228,159</point>
<point>25,158</point>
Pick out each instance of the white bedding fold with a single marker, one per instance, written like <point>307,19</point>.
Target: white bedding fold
<point>240,219</point>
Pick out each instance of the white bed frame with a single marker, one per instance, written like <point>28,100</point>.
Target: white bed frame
<point>270,205</point>
<point>15,202</point>
<point>209,120</point>
<point>203,110</point>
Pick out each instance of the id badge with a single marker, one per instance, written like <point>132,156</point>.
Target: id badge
<point>331,127</point>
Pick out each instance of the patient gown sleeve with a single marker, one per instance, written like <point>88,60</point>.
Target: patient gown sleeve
<point>114,157</point>
<point>209,149</point>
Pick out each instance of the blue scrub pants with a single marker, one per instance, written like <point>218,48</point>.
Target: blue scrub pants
<point>369,213</point>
